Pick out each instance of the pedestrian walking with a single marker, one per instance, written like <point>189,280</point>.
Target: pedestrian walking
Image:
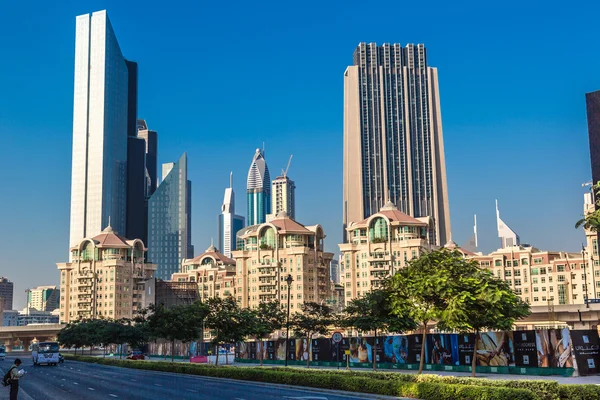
<point>14,379</point>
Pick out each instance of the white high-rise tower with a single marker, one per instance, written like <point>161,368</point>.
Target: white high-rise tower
<point>229,223</point>
<point>100,129</point>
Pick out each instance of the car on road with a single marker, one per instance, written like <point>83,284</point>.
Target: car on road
<point>136,355</point>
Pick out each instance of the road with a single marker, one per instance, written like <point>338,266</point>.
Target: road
<point>77,380</point>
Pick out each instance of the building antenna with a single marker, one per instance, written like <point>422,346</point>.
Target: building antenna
<point>263,151</point>
<point>475,230</point>
<point>231,179</point>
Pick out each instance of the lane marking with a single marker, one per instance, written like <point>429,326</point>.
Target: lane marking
<point>195,391</point>
<point>75,383</point>
<point>91,389</point>
<point>157,384</point>
<point>112,395</point>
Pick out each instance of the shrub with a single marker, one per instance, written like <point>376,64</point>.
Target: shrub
<point>579,392</point>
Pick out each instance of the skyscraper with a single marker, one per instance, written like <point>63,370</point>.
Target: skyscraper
<point>43,298</point>
<point>6,292</point>
<point>103,111</point>
<point>259,190</point>
<point>592,102</point>
<point>229,223</point>
<point>169,220</point>
<point>283,197</point>
<point>393,142</point>
<point>151,139</point>
<point>508,237</point>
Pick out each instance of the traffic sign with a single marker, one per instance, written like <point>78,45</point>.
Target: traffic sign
<point>337,337</point>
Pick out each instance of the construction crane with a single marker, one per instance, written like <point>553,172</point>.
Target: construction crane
<point>288,167</point>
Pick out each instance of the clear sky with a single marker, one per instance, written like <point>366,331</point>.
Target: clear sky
<point>217,79</point>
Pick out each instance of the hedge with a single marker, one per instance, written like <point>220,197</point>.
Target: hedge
<point>351,382</point>
<point>579,392</point>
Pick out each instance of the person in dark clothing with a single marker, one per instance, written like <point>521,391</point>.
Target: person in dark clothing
<point>14,380</point>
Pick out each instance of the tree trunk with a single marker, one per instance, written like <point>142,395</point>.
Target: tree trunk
<point>173,350</point>
<point>422,361</point>
<point>375,352</point>
<point>308,342</point>
<point>260,342</point>
<point>226,356</point>
<point>474,360</point>
<point>216,354</point>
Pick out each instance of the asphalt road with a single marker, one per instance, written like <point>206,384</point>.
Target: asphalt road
<point>77,380</point>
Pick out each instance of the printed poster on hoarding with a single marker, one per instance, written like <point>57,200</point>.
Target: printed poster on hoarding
<point>415,345</point>
<point>495,349</point>
<point>526,354</point>
<point>395,349</point>
<point>586,346</point>
<point>442,349</point>
<point>466,345</point>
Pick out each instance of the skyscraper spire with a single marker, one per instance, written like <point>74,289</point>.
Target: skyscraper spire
<point>258,189</point>
<point>508,237</point>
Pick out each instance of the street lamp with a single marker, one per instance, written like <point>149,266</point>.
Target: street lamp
<point>289,281</point>
<point>585,294</point>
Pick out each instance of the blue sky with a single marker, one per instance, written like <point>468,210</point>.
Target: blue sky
<point>219,79</point>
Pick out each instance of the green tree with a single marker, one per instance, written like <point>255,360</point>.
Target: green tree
<point>478,301</point>
<point>315,319</point>
<point>591,221</point>
<point>417,291</point>
<point>182,322</point>
<point>228,322</point>
<point>265,319</point>
<point>70,336</point>
<point>373,312</point>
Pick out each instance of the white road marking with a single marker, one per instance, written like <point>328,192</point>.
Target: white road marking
<point>157,384</point>
<point>195,391</point>
<point>307,398</point>
<point>75,383</point>
<point>133,380</point>
<point>112,395</point>
<point>91,389</point>
<point>63,379</point>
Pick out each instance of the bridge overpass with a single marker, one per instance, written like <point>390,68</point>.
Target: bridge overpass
<point>10,336</point>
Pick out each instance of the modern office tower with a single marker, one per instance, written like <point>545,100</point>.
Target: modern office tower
<point>393,142</point>
<point>334,271</point>
<point>169,227</point>
<point>151,139</point>
<point>103,112</point>
<point>213,271</point>
<point>43,298</point>
<point>229,223</point>
<point>270,251</point>
<point>592,101</point>
<point>6,292</point>
<point>380,245</point>
<point>283,197</point>
<point>103,277</point>
<point>259,190</point>
<point>508,237</point>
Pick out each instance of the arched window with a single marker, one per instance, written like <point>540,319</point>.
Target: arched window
<point>88,252</point>
<point>378,230</point>
<point>267,239</point>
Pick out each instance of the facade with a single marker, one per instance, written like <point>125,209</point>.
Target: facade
<point>229,222</point>
<point>169,220</point>
<point>212,272</point>
<point>259,190</point>
<point>43,298</point>
<point>150,138</point>
<point>10,318</point>
<point>334,271</point>
<point>393,141</point>
<point>169,294</point>
<point>102,114</point>
<point>6,292</point>
<point>104,278</point>
<point>283,197</point>
<point>378,246</point>
<point>269,252</point>
<point>36,317</point>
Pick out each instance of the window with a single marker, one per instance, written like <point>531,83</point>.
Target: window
<point>543,270</point>
<point>560,268</point>
<point>515,263</point>
<point>524,261</point>
<point>535,271</point>
<point>536,299</point>
<point>507,273</point>
<point>561,278</point>
<point>537,260</point>
<point>517,282</point>
<point>534,280</point>
<point>498,263</point>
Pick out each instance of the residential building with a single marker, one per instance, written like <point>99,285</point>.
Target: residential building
<point>10,318</point>
<point>229,222</point>
<point>334,271</point>
<point>212,271</point>
<point>169,220</point>
<point>378,246</point>
<point>104,115</point>
<point>35,317</point>
<point>269,252</point>
<point>6,292</point>
<point>393,141</point>
<point>508,237</point>
<point>104,278</point>
<point>259,189</point>
<point>43,298</point>
<point>283,197</point>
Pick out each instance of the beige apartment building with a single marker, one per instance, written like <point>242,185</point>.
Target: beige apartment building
<point>269,252</point>
<point>378,246</point>
<point>213,271</point>
<point>104,278</point>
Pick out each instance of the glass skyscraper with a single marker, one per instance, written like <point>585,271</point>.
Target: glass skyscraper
<point>229,223</point>
<point>393,142</point>
<point>105,90</point>
<point>259,190</point>
<point>169,221</point>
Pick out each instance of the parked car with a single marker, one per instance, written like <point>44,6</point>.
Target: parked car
<point>136,355</point>
<point>61,358</point>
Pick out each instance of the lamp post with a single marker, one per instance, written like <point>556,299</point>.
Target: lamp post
<point>289,281</point>
<point>585,293</point>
